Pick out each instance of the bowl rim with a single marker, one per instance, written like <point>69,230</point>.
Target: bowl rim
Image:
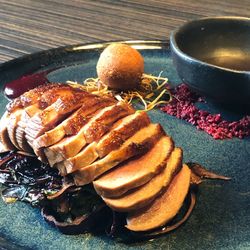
<point>174,46</point>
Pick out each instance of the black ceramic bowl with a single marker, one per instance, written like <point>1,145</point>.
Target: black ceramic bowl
<point>212,55</point>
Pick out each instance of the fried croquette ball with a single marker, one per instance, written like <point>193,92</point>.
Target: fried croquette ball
<point>120,67</point>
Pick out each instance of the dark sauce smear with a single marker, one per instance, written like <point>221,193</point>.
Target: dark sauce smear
<point>17,87</point>
<point>74,211</point>
<point>27,179</point>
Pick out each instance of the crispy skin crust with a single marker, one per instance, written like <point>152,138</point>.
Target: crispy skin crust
<point>87,109</point>
<point>34,95</point>
<point>118,135</point>
<point>101,124</point>
<point>46,99</point>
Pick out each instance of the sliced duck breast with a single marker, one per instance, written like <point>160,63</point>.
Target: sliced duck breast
<point>119,132</point>
<point>20,131</point>
<point>46,98</point>
<point>138,144</point>
<point>74,122</point>
<point>4,135</point>
<point>164,207</point>
<point>135,173</point>
<point>103,120</point>
<point>27,99</point>
<point>84,158</point>
<point>55,113</point>
<point>143,195</point>
<point>127,127</point>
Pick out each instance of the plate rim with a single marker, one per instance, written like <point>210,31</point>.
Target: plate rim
<point>69,48</point>
<point>33,62</point>
<point>89,46</point>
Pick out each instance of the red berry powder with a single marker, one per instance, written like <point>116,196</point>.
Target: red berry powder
<point>183,107</point>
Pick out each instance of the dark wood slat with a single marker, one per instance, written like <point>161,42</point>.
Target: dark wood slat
<point>28,26</point>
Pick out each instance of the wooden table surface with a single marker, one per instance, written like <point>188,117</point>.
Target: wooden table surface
<point>27,26</point>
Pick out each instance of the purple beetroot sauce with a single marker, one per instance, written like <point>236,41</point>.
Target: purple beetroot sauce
<point>17,87</point>
<point>183,107</point>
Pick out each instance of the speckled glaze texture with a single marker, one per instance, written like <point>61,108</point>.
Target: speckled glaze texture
<point>221,217</point>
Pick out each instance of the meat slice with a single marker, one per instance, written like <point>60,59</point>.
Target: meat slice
<point>143,195</point>
<point>102,120</point>
<point>15,107</point>
<point>118,135</point>
<point>12,126</point>
<point>138,144</point>
<point>119,132</point>
<point>86,156</point>
<point>74,122</point>
<point>46,95</point>
<point>66,148</point>
<point>20,131</point>
<point>164,207</point>
<point>135,173</point>
<point>55,113</point>
<point>101,123</point>
<point>4,136</point>
<point>33,96</point>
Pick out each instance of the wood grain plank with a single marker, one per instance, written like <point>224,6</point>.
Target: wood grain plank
<point>31,25</point>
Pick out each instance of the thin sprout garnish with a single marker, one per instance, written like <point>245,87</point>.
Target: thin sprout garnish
<point>150,93</point>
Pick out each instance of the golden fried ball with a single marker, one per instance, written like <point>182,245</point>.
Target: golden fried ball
<point>120,67</point>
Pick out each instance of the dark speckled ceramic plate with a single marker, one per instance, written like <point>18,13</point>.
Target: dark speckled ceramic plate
<point>221,218</point>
